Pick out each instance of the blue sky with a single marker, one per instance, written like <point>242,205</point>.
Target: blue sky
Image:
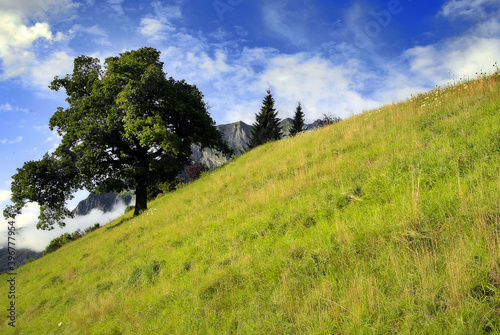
<point>336,57</point>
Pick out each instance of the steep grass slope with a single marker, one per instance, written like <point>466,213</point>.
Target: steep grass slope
<point>387,222</point>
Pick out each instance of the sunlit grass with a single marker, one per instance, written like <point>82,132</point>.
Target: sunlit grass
<point>387,222</point>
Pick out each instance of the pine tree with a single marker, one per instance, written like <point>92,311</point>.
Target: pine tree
<point>298,121</point>
<point>267,126</point>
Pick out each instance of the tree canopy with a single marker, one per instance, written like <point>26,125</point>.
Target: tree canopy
<point>267,125</point>
<point>127,126</point>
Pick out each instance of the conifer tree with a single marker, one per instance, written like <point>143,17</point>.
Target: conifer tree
<point>267,126</point>
<point>298,121</point>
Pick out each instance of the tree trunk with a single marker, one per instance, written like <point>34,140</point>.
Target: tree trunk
<point>141,198</point>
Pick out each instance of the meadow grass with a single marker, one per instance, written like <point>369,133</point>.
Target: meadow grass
<point>387,222</point>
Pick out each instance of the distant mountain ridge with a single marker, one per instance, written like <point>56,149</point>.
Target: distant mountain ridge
<point>104,202</point>
<point>20,256</point>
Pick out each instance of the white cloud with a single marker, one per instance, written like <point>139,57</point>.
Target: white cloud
<point>23,44</point>
<point>321,86</point>
<point>159,26</point>
<point>16,39</point>
<point>6,141</point>
<point>6,108</point>
<point>166,12</point>
<point>463,57</point>
<point>9,108</point>
<point>15,35</point>
<point>54,136</point>
<point>5,195</point>
<point>472,9</point>
<point>212,67</point>
<point>488,28</point>
<point>155,29</point>
<point>95,30</point>
<point>43,72</point>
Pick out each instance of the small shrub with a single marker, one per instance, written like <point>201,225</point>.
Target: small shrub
<point>66,238</point>
<point>76,234</point>
<point>329,119</point>
<point>57,243</point>
<point>170,186</point>
<point>92,228</point>
<point>194,171</point>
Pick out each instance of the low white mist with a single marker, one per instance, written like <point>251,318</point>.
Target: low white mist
<point>27,236</point>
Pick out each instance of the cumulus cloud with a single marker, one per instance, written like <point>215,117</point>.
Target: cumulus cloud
<point>15,34</point>
<point>43,72</point>
<point>321,86</point>
<point>463,57</point>
<point>16,39</point>
<point>23,36</point>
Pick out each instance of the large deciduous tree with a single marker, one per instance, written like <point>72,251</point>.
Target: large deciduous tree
<point>267,125</point>
<point>127,126</point>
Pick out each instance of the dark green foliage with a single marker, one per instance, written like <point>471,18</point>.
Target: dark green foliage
<point>92,228</point>
<point>60,241</point>
<point>171,185</point>
<point>127,127</point>
<point>153,191</point>
<point>267,125</point>
<point>67,238</point>
<point>298,121</point>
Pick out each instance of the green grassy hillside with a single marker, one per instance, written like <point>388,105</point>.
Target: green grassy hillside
<point>387,222</point>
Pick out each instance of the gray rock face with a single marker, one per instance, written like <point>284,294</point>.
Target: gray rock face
<point>104,202</point>
<point>236,135</point>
